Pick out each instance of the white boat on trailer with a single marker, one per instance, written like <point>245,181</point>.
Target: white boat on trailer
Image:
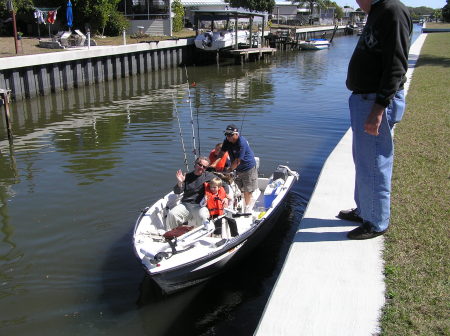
<point>187,255</point>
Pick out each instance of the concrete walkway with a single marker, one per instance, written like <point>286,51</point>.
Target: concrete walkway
<point>330,285</point>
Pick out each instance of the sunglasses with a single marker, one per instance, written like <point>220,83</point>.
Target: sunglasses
<point>200,165</point>
<point>229,134</point>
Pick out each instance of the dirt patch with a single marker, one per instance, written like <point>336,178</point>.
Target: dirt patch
<point>26,46</point>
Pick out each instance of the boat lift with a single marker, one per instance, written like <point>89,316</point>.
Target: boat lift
<point>227,15</point>
<point>230,14</point>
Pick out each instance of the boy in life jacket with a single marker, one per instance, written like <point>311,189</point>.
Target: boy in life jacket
<point>216,200</point>
<point>224,161</point>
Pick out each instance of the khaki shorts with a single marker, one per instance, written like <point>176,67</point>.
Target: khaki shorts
<point>247,180</point>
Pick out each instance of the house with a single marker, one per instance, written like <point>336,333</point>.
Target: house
<point>153,17</point>
<point>352,16</point>
<point>288,12</point>
<point>147,16</point>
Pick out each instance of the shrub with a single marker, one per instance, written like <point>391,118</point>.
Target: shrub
<point>116,23</point>
<point>178,20</point>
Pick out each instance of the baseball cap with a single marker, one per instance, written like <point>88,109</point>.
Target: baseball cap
<point>231,129</point>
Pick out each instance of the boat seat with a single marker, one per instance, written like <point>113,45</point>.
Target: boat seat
<point>262,183</point>
<point>178,231</point>
<point>172,235</point>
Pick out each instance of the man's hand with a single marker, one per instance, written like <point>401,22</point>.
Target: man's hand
<point>373,122</point>
<point>225,203</point>
<point>180,177</point>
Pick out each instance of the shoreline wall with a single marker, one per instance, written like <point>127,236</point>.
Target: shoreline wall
<point>41,74</point>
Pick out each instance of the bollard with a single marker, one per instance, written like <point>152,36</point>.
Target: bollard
<point>5,96</point>
<point>89,38</point>
<point>124,37</point>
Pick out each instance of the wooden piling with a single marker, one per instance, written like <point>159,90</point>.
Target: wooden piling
<point>5,98</point>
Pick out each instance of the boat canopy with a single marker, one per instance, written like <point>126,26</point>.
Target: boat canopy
<point>208,15</point>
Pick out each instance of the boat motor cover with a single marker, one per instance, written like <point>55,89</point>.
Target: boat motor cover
<point>281,172</point>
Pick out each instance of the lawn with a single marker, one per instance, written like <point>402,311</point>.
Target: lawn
<point>30,45</point>
<point>418,243</point>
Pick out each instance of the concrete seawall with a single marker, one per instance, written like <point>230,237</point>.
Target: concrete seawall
<point>41,74</point>
<point>330,285</point>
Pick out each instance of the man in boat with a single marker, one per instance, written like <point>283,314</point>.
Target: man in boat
<point>242,160</point>
<point>376,74</point>
<point>192,187</point>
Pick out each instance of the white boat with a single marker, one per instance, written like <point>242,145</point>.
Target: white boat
<point>189,254</point>
<point>218,40</point>
<point>315,44</point>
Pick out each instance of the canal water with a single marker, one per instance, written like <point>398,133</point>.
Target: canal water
<point>84,162</point>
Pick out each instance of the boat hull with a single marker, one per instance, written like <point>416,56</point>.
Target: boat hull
<point>318,44</point>
<point>198,254</point>
<point>203,270</point>
<point>215,41</point>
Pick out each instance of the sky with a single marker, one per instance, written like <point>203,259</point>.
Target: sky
<point>409,3</point>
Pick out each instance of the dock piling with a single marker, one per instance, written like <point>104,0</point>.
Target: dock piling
<point>5,98</point>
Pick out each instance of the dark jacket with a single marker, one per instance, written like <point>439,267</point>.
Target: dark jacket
<point>193,189</point>
<point>380,60</point>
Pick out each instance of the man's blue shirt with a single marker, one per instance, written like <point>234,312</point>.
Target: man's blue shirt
<point>240,150</point>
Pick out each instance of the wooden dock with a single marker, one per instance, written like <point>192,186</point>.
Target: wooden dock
<point>244,55</point>
<point>285,38</point>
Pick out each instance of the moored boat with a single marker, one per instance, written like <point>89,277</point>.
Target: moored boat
<point>219,40</point>
<point>189,254</point>
<point>315,44</point>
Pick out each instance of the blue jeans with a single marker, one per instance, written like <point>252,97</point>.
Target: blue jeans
<point>373,157</point>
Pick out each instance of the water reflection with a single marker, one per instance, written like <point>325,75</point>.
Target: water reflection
<point>85,161</point>
<point>10,256</point>
<point>90,124</point>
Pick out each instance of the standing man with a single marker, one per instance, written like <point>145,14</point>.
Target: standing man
<point>243,160</point>
<point>376,74</point>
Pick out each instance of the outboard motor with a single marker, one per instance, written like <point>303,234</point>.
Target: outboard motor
<point>208,39</point>
<point>280,173</point>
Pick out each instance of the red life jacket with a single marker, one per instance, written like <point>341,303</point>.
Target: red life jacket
<point>215,202</point>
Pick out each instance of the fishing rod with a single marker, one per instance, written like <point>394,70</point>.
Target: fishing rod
<point>242,123</point>
<point>198,132</point>
<point>181,133</point>
<point>243,117</point>
<point>192,116</point>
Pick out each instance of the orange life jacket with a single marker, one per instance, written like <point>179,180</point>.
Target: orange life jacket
<point>221,164</point>
<point>214,203</point>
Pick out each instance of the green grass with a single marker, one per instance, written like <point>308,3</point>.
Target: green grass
<point>417,250</point>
